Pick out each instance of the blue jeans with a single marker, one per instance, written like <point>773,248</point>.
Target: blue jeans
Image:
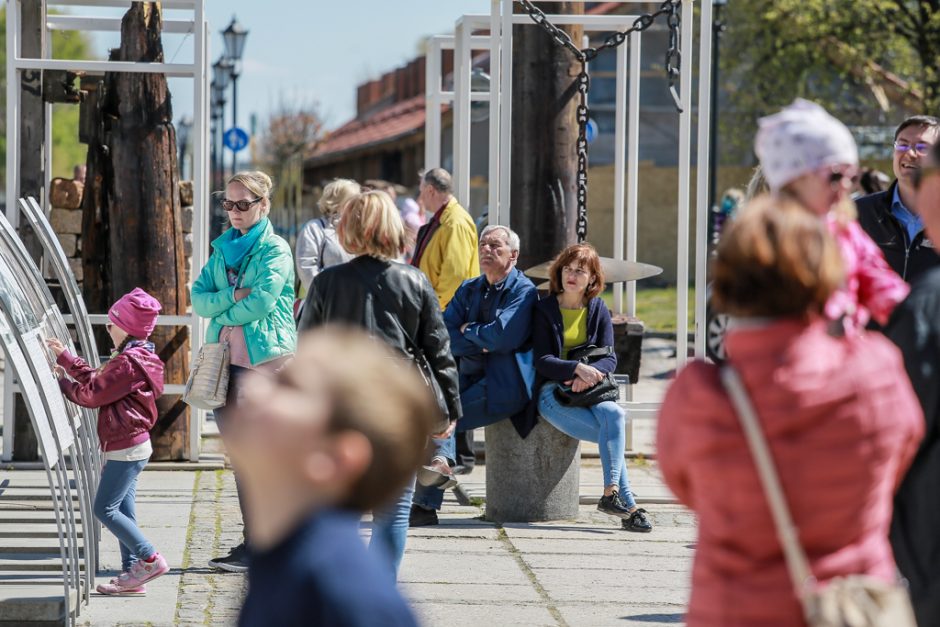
<point>473,404</point>
<point>114,507</point>
<point>390,528</point>
<point>603,423</point>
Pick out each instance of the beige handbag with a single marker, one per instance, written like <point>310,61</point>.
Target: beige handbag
<point>207,386</point>
<point>850,601</point>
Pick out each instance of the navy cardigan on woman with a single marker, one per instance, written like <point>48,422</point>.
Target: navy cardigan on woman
<point>548,332</point>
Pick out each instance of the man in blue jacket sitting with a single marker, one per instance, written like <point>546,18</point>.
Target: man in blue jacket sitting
<point>489,321</point>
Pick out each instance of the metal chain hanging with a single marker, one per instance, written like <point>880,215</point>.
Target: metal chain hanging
<point>669,8</point>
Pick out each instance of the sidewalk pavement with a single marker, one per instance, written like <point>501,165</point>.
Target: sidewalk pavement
<point>465,571</point>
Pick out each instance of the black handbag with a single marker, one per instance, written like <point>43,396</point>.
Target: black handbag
<point>606,390</point>
<point>414,353</point>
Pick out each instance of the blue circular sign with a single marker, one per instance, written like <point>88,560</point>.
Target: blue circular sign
<point>235,139</point>
<point>591,130</point>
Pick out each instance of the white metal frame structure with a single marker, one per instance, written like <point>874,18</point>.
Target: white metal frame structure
<point>626,181</point>
<point>626,140</point>
<point>198,27</point>
<point>66,432</point>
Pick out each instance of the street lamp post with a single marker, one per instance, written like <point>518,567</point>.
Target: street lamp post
<point>234,37</point>
<point>218,173</point>
<point>718,27</point>
<point>221,77</point>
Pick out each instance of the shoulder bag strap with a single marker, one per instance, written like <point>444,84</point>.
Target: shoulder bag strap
<point>373,287</point>
<point>797,562</point>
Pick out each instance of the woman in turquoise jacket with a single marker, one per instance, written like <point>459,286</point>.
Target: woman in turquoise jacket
<point>247,292</point>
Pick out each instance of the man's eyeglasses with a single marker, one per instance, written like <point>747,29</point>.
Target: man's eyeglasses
<point>241,205</point>
<point>920,148</point>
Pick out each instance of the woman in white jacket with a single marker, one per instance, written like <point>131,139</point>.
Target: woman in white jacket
<point>317,246</point>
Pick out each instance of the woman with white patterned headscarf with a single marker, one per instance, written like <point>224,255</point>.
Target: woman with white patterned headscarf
<point>809,156</point>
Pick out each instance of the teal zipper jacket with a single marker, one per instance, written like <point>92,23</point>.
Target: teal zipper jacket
<point>266,315</point>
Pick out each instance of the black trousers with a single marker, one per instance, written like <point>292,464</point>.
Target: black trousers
<point>234,383</point>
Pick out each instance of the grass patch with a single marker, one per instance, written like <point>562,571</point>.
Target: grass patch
<point>656,307</point>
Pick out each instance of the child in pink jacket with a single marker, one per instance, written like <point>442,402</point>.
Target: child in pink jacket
<point>811,157</point>
<point>124,391</point>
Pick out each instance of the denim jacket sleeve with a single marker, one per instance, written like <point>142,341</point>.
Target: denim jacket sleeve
<point>513,324</point>
<point>455,316</point>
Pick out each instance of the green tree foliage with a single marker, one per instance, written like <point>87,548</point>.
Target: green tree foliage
<point>868,61</point>
<point>67,152</point>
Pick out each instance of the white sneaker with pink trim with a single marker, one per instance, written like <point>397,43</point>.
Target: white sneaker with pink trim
<point>142,571</point>
<point>113,588</point>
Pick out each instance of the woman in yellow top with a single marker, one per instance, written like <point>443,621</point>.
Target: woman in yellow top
<point>574,316</point>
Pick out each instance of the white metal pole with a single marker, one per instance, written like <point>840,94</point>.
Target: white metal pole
<point>505,114</point>
<point>462,60</point>
<point>13,114</point>
<point>494,117</point>
<point>12,193</point>
<point>633,162</point>
<point>432,90</point>
<point>685,166</point>
<point>201,207</point>
<point>620,155</point>
<point>702,173</point>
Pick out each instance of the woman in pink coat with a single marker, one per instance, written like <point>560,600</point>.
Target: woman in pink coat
<point>839,414</point>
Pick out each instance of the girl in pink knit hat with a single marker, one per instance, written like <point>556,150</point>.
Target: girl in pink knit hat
<point>124,391</point>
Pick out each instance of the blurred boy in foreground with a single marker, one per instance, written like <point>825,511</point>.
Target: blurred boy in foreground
<point>335,433</point>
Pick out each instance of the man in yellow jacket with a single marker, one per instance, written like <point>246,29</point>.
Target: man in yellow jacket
<point>446,247</point>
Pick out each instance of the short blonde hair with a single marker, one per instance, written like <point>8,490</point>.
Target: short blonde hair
<point>371,225</point>
<point>775,260</point>
<point>335,195</point>
<point>374,393</point>
<point>256,182</point>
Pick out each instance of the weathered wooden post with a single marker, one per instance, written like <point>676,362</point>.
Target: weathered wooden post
<point>538,478</point>
<point>132,218</point>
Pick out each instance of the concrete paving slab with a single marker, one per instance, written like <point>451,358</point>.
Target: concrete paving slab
<point>507,614</point>
<point>626,563</point>
<point>595,586</point>
<point>582,531</point>
<point>460,568</point>
<point>23,604</point>
<point>445,544</point>
<point>618,615</point>
<point>482,593</point>
<point>164,505</point>
<point>610,549</point>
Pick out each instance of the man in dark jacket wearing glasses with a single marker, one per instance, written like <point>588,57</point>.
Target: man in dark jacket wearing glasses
<point>915,328</point>
<point>892,218</point>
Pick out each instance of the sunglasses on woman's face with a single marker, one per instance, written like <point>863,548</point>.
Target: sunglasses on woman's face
<point>837,176</point>
<point>241,205</point>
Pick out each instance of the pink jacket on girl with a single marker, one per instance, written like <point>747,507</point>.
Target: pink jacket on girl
<point>842,423</point>
<point>872,289</point>
<point>125,392</point>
